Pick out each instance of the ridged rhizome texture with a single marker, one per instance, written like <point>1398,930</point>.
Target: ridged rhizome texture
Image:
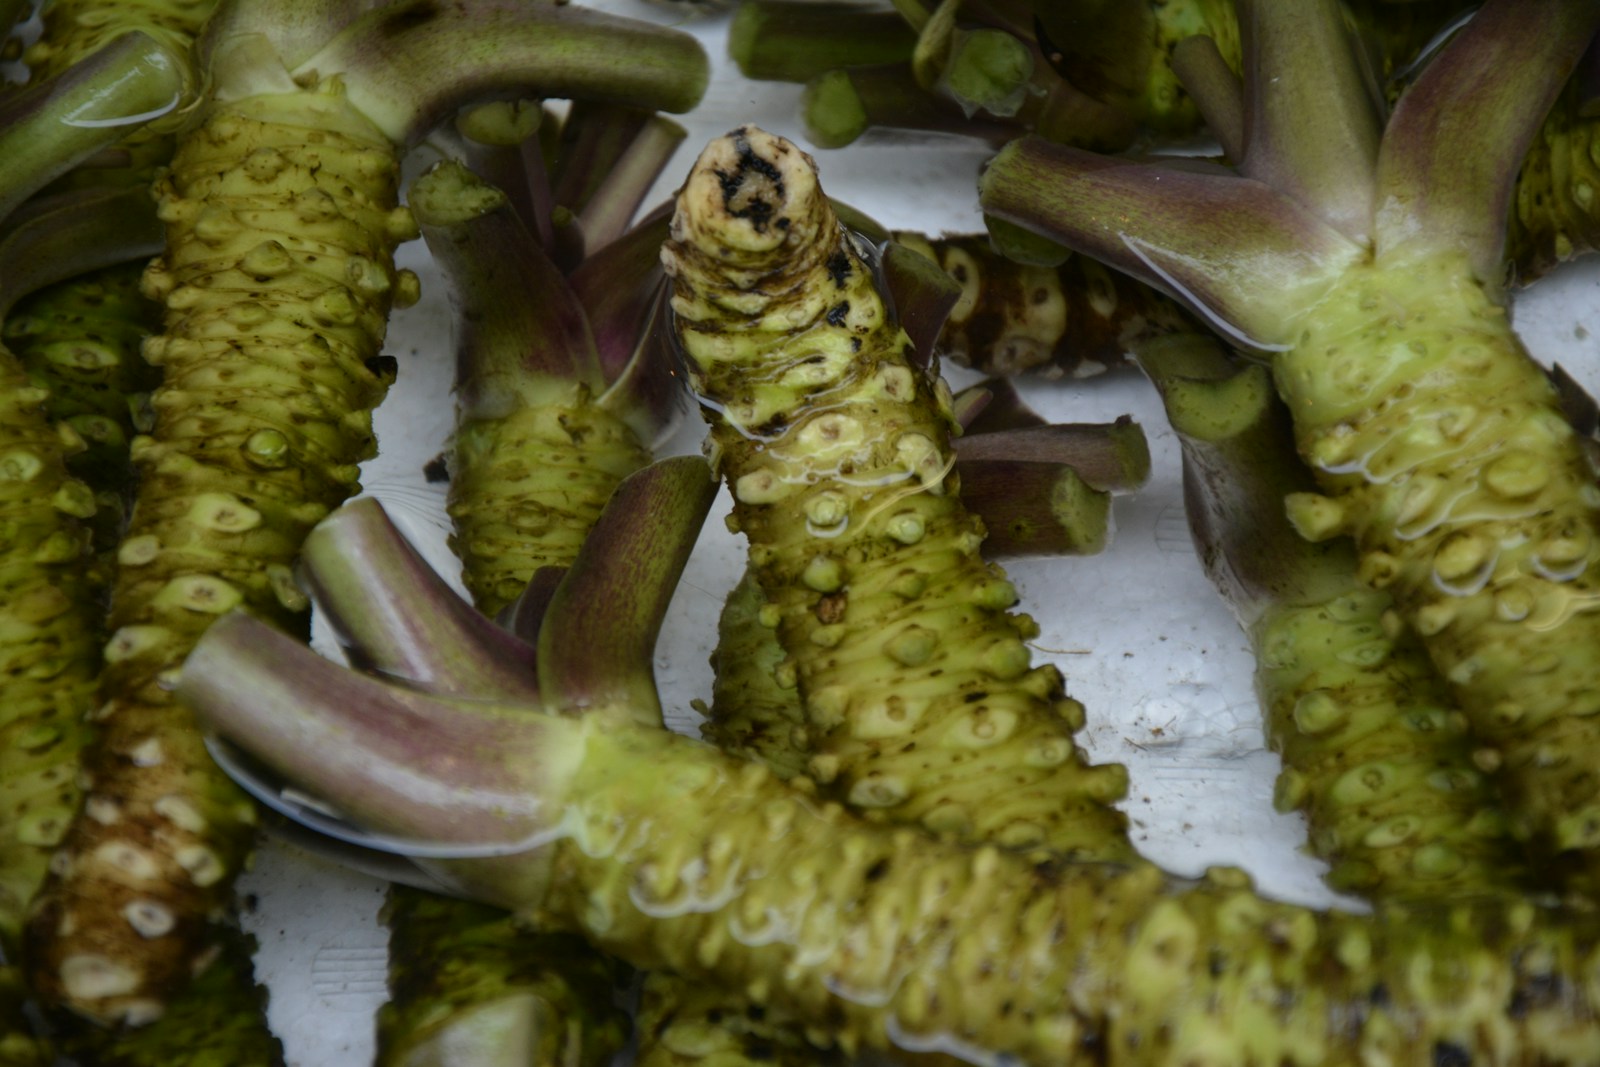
<point>923,703</point>
<point>678,857</point>
<point>282,218</point>
<point>525,489</point>
<point>1446,456</point>
<point>49,638</point>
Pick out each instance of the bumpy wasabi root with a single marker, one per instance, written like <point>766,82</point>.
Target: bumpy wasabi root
<point>1375,750</point>
<point>922,702</point>
<point>1557,212</point>
<point>49,639</point>
<point>277,280</point>
<point>81,339</point>
<point>674,855</point>
<point>525,488</point>
<point>1481,519</point>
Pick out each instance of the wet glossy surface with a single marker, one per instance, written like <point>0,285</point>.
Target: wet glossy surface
<point>1144,642</point>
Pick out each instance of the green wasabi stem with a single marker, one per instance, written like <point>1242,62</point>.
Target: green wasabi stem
<point>1073,320</point>
<point>601,624</point>
<point>549,424</point>
<point>880,932</point>
<point>468,985</point>
<point>74,30</point>
<point>839,106</point>
<point>500,142</point>
<point>1375,751</point>
<point>536,453</point>
<point>80,339</point>
<point>395,616</point>
<point>1438,442</point>
<point>608,211</point>
<point>608,610</point>
<point>277,280</point>
<point>795,40</point>
<point>917,679</point>
<point>752,716</point>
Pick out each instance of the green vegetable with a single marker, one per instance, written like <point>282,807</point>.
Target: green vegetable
<point>666,851</point>
<point>403,622</point>
<point>540,447</point>
<point>19,1046</point>
<point>53,125</point>
<point>792,40</point>
<point>52,613</point>
<point>282,217</point>
<point>80,339</point>
<point>536,450</point>
<point>1375,751</point>
<point>919,690</point>
<point>1367,265</point>
<point>468,984</point>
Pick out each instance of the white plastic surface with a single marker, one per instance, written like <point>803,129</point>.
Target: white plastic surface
<point>1143,640</point>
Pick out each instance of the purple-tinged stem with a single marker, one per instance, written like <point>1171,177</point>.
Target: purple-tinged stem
<point>293,30</point>
<point>1455,143</point>
<point>397,617</point>
<point>54,238</point>
<point>598,638</point>
<point>1315,83</point>
<point>1239,464</point>
<point>612,206</point>
<point>522,330</point>
<point>1034,509</point>
<point>1113,457</point>
<point>394,760</point>
<point>48,128</point>
<point>593,138</point>
<point>525,615</point>
<point>408,66</point>
<point>922,295</point>
<point>617,285</point>
<point>1231,249</point>
<point>1217,91</point>
<point>993,404</point>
